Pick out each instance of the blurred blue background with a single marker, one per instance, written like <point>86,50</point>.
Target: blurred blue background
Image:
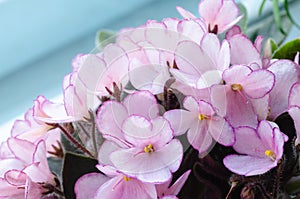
<point>39,38</point>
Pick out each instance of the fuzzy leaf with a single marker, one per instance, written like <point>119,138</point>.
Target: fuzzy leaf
<point>288,50</point>
<point>104,37</point>
<point>74,167</point>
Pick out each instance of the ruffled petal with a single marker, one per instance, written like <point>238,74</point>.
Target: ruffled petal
<point>259,83</point>
<point>155,167</point>
<point>198,137</point>
<point>180,120</point>
<point>147,104</point>
<point>109,120</point>
<point>87,185</point>
<point>248,165</point>
<point>286,74</point>
<point>221,131</point>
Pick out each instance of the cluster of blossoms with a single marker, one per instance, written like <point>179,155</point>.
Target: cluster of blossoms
<point>155,92</point>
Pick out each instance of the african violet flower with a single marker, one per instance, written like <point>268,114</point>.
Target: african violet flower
<point>100,73</point>
<point>244,93</point>
<point>150,50</point>
<point>32,130</point>
<point>24,170</point>
<point>147,156</point>
<point>260,149</point>
<point>218,15</point>
<point>201,69</point>
<point>113,186</point>
<point>112,114</point>
<point>202,124</point>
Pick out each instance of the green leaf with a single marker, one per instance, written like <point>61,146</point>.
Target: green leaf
<point>104,37</point>
<point>55,165</point>
<point>293,185</point>
<point>288,50</point>
<point>277,16</point>
<point>261,7</point>
<point>74,167</point>
<point>244,21</point>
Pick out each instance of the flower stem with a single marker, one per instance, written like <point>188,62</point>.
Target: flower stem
<point>73,140</point>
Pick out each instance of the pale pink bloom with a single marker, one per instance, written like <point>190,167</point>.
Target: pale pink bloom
<point>218,15</point>
<point>116,186</point>
<point>262,148</point>
<point>147,156</point>
<point>76,104</point>
<point>100,72</point>
<point>294,108</point>
<point>243,95</point>
<point>204,66</point>
<point>31,130</point>
<point>112,114</point>
<point>25,170</point>
<point>150,50</point>
<point>286,74</point>
<point>168,191</point>
<point>202,124</point>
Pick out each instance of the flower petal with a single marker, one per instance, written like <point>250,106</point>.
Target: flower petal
<point>142,103</point>
<point>153,168</point>
<point>87,185</point>
<point>248,165</point>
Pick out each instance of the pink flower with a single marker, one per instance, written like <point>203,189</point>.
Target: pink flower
<point>202,124</point>
<point>31,130</point>
<point>116,186</point>
<point>245,94</point>
<point>262,148</point>
<point>202,68</point>
<point>99,73</point>
<point>218,15</point>
<point>294,108</point>
<point>150,50</point>
<point>147,156</point>
<point>112,114</point>
<point>25,170</point>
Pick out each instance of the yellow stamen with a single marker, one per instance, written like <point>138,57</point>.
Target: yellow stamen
<point>236,87</point>
<point>126,179</point>
<point>271,154</point>
<point>202,117</point>
<point>149,148</point>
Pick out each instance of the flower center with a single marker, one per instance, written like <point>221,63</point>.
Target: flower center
<point>202,117</point>
<point>236,87</point>
<point>126,179</point>
<point>271,154</point>
<point>149,148</point>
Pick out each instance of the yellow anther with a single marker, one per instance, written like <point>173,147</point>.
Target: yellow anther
<point>126,179</point>
<point>271,154</point>
<point>236,87</point>
<point>149,148</point>
<point>202,117</point>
